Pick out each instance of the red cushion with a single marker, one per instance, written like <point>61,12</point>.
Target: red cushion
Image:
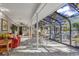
<point>15,42</point>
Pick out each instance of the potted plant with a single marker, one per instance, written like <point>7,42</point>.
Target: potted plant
<point>13,28</point>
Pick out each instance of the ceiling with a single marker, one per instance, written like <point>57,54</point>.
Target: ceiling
<point>49,8</point>
<point>24,12</point>
<point>19,12</point>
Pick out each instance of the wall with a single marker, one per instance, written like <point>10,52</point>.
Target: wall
<point>9,23</point>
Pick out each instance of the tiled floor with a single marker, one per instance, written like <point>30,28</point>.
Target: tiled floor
<point>47,48</point>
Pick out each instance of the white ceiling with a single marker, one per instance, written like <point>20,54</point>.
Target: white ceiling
<point>19,12</point>
<point>48,9</point>
<point>24,12</point>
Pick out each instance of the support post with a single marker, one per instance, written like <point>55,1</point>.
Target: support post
<point>37,34</point>
<point>30,32</point>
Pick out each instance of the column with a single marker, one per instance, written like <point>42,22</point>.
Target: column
<point>37,34</point>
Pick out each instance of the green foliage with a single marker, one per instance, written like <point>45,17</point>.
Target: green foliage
<point>76,25</point>
<point>13,28</point>
<point>66,29</point>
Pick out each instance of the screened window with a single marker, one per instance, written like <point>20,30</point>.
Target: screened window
<point>68,10</point>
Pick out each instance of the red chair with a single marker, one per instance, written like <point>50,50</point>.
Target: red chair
<point>15,42</point>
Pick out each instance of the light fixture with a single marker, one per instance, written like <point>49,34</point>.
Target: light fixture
<point>1,15</point>
<point>4,9</point>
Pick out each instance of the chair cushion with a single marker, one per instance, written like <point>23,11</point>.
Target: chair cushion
<point>15,42</point>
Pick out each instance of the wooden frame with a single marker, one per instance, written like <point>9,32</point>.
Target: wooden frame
<point>4,25</point>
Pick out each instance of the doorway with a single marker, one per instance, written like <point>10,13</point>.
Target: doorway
<point>20,30</point>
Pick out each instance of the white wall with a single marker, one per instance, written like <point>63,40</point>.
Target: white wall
<point>9,23</point>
